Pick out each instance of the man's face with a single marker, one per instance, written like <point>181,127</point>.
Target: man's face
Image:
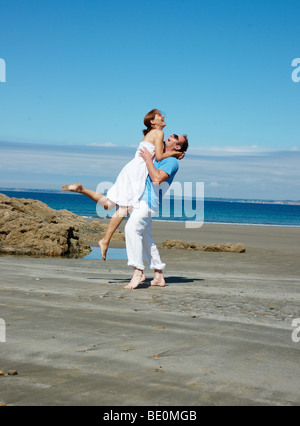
<point>172,142</point>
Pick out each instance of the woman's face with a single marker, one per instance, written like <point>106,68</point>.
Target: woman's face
<point>159,121</point>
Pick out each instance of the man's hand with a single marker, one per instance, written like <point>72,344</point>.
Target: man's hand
<point>157,176</point>
<point>146,154</point>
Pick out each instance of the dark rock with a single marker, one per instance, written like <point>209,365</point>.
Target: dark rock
<point>30,227</point>
<point>227,247</point>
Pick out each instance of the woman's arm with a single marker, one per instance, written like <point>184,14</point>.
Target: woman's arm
<point>159,144</point>
<point>177,154</point>
<point>159,148</point>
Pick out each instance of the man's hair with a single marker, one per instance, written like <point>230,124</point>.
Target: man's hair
<point>185,144</point>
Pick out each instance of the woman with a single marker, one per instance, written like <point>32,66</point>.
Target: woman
<point>130,183</point>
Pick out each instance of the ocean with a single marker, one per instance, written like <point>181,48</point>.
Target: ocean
<point>210,211</point>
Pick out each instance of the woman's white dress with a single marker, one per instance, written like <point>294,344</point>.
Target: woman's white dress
<point>130,183</point>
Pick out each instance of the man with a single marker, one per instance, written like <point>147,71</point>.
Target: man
<point>139,240</point>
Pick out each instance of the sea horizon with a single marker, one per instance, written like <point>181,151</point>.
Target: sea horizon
<point>227,199</point>
<point>223,211</point>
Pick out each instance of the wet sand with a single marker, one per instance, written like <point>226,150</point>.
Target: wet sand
<point>219,333</point>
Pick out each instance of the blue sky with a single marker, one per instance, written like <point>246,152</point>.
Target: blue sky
<point>84,74</point>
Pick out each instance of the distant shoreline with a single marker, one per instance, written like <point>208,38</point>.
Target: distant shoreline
<point>210,210</point>
<point>215,199</point>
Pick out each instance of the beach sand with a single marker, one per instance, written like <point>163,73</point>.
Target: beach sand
<point>219,333</point>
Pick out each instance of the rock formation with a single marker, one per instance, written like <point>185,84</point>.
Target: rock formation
<point>30,227</point>
<point>227,247</point>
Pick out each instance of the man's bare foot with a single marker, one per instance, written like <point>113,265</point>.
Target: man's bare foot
<point>103,247</point>
<point>158,279</point>
<point>137,278</point>
<point>74,187</point>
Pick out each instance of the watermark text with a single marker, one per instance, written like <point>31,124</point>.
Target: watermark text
<point>2,331</point>
<point>150,416</point>
<point>296,332</point>
<point>296,72</point>
<point>2,71</point>
<point>182,202</point>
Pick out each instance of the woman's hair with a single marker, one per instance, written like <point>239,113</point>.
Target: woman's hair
<point>147,119</point>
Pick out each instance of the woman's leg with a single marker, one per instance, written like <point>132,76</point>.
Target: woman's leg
<point>114,222</point>
<point>100,199</point>
<point>107,204</point>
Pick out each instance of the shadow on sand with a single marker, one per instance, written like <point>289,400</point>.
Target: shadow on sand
<point>168,280</point>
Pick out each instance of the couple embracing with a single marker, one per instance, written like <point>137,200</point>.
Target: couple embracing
<point>136,193</point>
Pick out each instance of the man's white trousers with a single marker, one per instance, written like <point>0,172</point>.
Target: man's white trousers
<point>139,241</point>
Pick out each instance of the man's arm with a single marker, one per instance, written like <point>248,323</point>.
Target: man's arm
<point>157,176</point>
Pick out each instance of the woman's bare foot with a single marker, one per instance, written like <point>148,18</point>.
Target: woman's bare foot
<point>158,279</point>
<point>74,187</point>
<point>137,278</point>
<point>103,247</point>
